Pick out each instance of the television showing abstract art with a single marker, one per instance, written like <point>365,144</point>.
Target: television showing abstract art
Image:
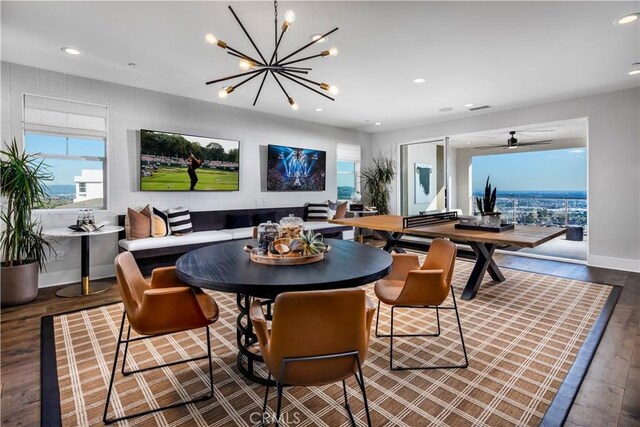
<point>295,169</point>
<point>179,162</point>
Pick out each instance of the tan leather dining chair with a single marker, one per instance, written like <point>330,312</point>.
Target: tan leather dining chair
<point>165,305</point>
<point>316,338</point>
<point>410,285</point>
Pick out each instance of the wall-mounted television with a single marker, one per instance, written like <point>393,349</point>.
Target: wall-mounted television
<point>179,162</point>
<point>295,169</point>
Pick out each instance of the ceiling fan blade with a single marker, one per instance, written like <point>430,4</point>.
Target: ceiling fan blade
<point>489,147</point>
<point>545,142</point>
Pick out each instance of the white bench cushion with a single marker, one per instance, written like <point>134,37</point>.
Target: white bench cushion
<point>239,233</point>
<point>318,225</point>
<point>169,241</point>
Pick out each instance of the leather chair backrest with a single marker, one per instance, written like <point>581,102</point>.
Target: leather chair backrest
<point>132,286</point>
<point>318,323</point>
<point>441,256</point>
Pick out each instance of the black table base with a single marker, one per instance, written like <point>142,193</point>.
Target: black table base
<point>85,287</point>
<point>248,349</point>
<point>482,254</point>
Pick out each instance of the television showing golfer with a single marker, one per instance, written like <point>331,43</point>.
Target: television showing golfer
<point>295,169</point>
<point>179,162</point>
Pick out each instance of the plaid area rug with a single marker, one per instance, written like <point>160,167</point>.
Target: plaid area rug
<point>522,337</point>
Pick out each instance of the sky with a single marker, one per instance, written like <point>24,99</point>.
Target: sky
<point>65,170</point>
<point>549,170</point>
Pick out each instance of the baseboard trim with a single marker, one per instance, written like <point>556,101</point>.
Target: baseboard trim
<point>624,264</point>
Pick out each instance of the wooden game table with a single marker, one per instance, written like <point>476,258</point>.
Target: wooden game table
<point>392,229</point>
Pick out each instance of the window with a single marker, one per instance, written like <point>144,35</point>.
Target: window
<point>71,139</point>
<point>348,167</point>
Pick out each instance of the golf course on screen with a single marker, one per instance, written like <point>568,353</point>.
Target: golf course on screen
<point>176,162</point>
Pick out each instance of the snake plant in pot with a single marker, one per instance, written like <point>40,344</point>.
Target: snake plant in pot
<point>24,249</point>
<point>487,206</point>
<point>376,180</point>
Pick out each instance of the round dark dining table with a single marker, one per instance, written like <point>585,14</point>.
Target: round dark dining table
<point>225,267</point>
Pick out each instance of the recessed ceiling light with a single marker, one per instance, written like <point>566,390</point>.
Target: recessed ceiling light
<point>627,19</point>
<point>377,123</point>
<point>445,109</point>
<point>70,50</point>
<point>318,38</point>
<point>419,80</point>
<point>634,72</point>
<point>318,109</point>
<point>469,105</point>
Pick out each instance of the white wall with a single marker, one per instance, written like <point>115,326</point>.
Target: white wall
<point>132,109</point>
<point>613,163</point>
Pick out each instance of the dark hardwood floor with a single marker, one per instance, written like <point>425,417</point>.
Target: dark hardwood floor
<point>609,396</point>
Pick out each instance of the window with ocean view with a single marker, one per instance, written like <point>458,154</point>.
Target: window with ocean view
<point>545,188</point>
<point>71,138</point>
<point>348,170</point>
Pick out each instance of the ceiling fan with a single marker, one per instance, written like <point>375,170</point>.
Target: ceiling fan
<point>512,142</point>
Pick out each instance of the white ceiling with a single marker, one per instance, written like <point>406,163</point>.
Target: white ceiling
<point>504,54</point>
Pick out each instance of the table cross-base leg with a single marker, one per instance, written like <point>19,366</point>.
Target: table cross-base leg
<point>248,350</point>
<point>484,262</point>
<point>391,241</point>
<point>85,287</point>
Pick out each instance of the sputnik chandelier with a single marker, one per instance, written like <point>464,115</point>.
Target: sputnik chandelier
<point>276,66</point>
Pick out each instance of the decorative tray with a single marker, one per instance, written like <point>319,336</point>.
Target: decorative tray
<point>258,256</point>
<point>503,227</point>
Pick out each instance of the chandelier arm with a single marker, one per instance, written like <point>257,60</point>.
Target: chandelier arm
<point>304,85</point>
<point>279,84</point>
<point>242,55</point>
<point>249,78</point>
<point>294,71</point>
<point>307,45</point>
<point>233,77</point>
<point>302,78</point>
<point>299,60</point>
<point>247,34</point>
<point>260,88</point>
<point>275,51</point>
<point>298,68</point>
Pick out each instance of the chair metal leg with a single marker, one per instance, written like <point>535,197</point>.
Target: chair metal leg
<point>464,349</point>
<point>360,382</point>
<point>200,398</point>
<point>437,334</point>
<point>279,388</point>
<point>126,349</point>
<point>113,369</point>
<point>346,404</point>
<point>266,398</point>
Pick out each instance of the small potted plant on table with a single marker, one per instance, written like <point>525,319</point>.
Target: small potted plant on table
<point>487,206</point>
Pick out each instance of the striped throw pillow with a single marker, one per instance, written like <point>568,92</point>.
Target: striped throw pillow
<point>179,221</point>
<point>317,211</point>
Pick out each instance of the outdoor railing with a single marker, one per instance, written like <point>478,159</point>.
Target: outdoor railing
<point>558,212</point>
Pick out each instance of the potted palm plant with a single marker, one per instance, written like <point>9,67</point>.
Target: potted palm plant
<point>24,250</point>
<point>487,206</point>
<point>376,180</point>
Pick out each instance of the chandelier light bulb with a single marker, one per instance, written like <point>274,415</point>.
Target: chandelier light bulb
<point>333,51</point>
<point>225,91</point>
<point>289,16</point>
<point>334,90</point>
<point>293,104</point>
<point>245,64</point>
<point>211,39</point>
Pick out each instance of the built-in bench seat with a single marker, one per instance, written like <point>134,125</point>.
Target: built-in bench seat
<point>209,227</point>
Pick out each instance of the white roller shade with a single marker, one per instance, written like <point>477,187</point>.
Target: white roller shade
<point>52,115</point>
<point>350,152</point>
